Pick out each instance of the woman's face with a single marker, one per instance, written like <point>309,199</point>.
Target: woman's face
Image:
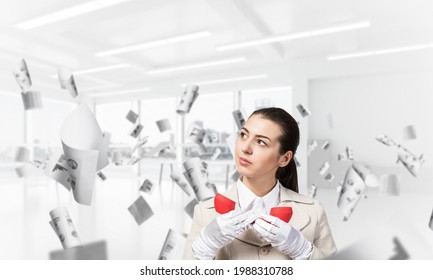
<point>257,148</point>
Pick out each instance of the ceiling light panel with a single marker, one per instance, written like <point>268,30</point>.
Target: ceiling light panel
<point>156,43</point>
<point>195,66</point>
<point>70,12</point>
<point>294,36</point>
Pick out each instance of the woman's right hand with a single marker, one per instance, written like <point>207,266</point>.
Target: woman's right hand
<point>222,230</point>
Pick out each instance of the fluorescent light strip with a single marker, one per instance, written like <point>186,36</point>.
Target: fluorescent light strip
<point>379,52</point>
<point>294,36</point>
<point>67,13</point>
<point>267,89</point>
<point>229,80</point>
<point>199,65</point>
<point>95,70</point>
<point>122,92</point>
<point>100,69</point>
<point>152,44</point>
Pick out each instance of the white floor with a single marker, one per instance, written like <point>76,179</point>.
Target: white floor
<point>26,233</point>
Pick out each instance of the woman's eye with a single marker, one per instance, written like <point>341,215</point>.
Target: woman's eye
<point>261,143</point>
<point>242,135</point>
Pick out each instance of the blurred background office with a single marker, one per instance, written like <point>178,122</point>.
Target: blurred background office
<point>362,69</point>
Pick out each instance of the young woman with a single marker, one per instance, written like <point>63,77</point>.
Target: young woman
<point>264,158</point>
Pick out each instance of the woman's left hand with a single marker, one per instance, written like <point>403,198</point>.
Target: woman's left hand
<point>283,237</point>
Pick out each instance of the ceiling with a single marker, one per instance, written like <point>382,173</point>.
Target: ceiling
<point>73,42</point>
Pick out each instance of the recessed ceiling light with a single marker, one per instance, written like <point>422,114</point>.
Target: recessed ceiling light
<point>228,80</point>
<point>97,69</point>
<point>379,52</point>
<point>156,43</point>
<point>294,36</point>
<point>121,92</point>
<point>198,65</point>
<point>267,89</point>
<point>67,13</point>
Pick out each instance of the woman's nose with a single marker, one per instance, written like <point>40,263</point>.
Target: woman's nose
<point>246,148</point>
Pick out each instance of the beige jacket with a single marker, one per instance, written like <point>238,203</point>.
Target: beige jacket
<point>308,217</point>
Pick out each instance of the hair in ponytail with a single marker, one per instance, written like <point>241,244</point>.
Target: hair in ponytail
<point>289,141</point>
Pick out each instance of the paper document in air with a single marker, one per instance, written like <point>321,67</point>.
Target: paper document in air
<point>196,132</point>
<point>147,186</point>
<point>303,110</point>
<point>140,210</point>
<point>409,132</point>
<point>155,151</point>
<point>32,100</point>
<point>57,168</point>
<point>189,95</point>
<point>85,151</point>
<point>389,185</point>
<point>67,81</point>
<point>177,176</point>
<point>173,245</point>
<point>63,226</point>
<point>240,117</point>
<point>90,251</point>
<point>132,116</point>
<point>163,125</point>
<point>22,76</point>
<point>189,208</point>
<point>351,192</point>
<point>197,176</point>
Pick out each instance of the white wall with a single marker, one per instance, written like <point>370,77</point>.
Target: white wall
<point>363,107</point>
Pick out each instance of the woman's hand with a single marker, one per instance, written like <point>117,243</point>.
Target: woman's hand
<point>283,237</point>
<point>221,231</point>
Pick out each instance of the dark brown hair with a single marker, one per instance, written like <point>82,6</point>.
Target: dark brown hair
<point>289,141</point>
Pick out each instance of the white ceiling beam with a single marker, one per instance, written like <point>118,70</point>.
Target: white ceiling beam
<point>244,22</point>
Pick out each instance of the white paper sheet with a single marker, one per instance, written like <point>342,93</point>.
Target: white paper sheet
<point>63,226</point>
<point>189,208</point>
<point>85,152</point>
<point>177,176</point>
<point>240,117</point>
<point>147,186</point>
<point>389,185</point>
<point>90,251</point>
<point>409,132</point>
<point>303,110</point>
<point>132,116</point>
<point>22,76</point>
<point>324,168</point>
<point>313,191</point>
<point>189,95</point>
<point>136,130</point>
<point>31,100</point>
<point>196,132</point>
<point>140,210</point>
<point>173,245</point>
<point>67,81</point>
<point>352,191</point>
<point>163,125</point>
<point>197,176</point>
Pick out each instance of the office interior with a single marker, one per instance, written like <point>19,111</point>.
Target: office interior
<point>362,69</point>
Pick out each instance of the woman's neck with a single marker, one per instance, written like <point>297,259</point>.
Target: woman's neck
<point>259,186</point>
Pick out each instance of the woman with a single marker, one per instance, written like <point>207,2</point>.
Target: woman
<point>264,158</point>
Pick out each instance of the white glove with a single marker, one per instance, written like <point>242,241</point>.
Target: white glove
<point>283,237</point>
<point>221,231</point>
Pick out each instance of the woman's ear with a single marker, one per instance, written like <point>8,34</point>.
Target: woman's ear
<point>285,159</point>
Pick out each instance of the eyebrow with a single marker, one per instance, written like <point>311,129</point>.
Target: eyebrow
<point>257,135</point>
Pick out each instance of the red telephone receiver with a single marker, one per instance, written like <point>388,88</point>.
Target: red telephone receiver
<point>283,213</point>
<point>223,204</point>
